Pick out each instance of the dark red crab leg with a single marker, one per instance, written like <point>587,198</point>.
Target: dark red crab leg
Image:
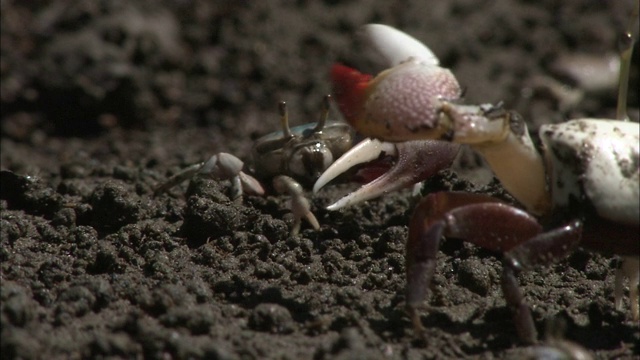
<point>543,249</point>
<point>486,222</point>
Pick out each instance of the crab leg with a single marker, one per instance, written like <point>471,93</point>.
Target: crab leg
<point>493,225</point>
<point>630,268</point>
<point>299,204</point>
<point>222,166</point>
<point>176,179</point>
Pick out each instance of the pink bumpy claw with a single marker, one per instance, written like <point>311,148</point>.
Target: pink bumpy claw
<point>398,103</point>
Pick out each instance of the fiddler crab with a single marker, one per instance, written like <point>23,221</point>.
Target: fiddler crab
<point>581,188</point>
<point>303,153</point>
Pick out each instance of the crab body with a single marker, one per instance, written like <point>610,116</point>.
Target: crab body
<point>304,154</point>
<point>594,170</point>
<point>595,160</point>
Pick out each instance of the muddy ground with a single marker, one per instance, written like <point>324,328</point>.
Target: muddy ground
<point>102,101</point>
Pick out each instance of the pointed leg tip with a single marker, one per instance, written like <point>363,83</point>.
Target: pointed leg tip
<point>295,229</point>
<point>336,206</point>
<point>318,185</point>
<point>313,221</point>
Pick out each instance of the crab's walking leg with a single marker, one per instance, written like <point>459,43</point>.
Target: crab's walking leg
<point>493,225</point>
<point>299,204</point>
<point>176,179</point>
<point>630,268</point>
<point>542,249</point>
<point>221,166</point>
<point>428,225</point>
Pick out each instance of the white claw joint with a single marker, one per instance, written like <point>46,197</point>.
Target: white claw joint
<point>502,138</point>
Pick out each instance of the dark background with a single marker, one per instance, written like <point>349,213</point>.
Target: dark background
<point>101,101</point>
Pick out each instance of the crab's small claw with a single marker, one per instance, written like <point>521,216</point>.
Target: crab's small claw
<point>415,162</point>
<point>250,185</point>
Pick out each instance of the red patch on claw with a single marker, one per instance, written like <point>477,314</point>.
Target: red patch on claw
<point>372,170</point>
<point>349,88</point>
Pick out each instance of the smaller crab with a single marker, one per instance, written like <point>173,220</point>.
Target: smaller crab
<point>302,152</point>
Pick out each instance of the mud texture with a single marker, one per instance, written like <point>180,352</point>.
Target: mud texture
<point>102,101</point>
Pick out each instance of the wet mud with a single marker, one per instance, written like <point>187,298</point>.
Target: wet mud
<point>103,101</point>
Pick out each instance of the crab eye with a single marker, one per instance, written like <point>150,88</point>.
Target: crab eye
<point>310,160</point>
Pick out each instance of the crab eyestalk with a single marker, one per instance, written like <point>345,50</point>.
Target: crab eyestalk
<point>626,51</point>
<point>284,120</point>
<point>326,105</point>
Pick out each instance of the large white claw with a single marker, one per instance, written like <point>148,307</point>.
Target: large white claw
<point>415,161</point>
<point>396,46</point>
<point>365,151</point>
